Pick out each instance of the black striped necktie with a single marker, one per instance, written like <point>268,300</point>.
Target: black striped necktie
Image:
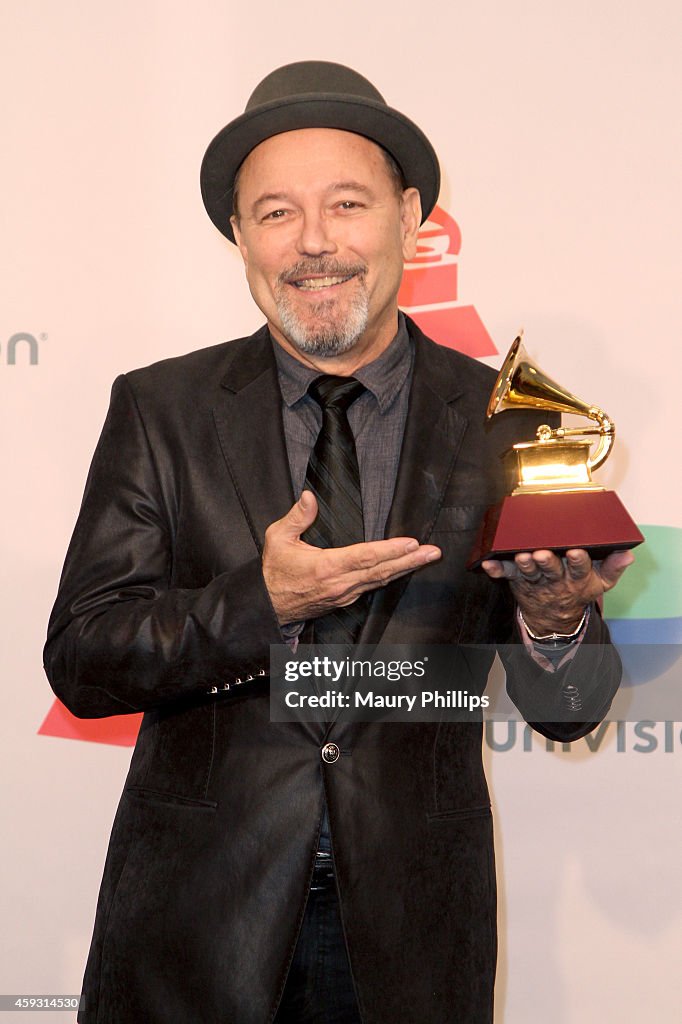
<point>334,478</point>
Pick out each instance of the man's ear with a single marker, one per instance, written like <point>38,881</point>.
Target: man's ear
<point>410,221</point>
<point>234,222</point>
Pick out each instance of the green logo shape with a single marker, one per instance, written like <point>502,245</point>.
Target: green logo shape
<point>652,587</point>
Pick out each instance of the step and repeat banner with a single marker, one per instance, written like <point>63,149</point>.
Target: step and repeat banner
<point>558,131</point>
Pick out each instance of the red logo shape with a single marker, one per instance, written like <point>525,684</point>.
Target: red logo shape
<point>429,290</point>
<point>118,730</point>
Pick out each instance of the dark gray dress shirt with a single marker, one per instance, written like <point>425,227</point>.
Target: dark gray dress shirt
<point>377,419</point>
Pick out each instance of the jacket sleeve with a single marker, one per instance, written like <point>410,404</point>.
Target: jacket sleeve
<point>568,703</point>
<point>121,638</point>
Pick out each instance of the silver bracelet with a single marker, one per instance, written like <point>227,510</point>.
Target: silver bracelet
<point>561,638</point>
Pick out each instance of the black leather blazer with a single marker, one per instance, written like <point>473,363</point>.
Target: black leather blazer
<point>162,602</point>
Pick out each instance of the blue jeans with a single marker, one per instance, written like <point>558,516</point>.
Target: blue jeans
<point>319,986</point>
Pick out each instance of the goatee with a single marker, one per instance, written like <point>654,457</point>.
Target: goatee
<point>326,331</point>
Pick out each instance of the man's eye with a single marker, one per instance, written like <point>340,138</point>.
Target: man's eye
<point>274,215</point>
<point>349,204</point>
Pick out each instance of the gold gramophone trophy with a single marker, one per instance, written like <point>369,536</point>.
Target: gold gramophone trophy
<point>555,504</point>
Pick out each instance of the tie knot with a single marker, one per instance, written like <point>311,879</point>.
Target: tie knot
<point>335,392</point>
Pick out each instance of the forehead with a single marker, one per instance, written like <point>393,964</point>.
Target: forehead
<point>310,156</point>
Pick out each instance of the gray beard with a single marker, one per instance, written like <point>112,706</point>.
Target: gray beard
<point>327,337</point>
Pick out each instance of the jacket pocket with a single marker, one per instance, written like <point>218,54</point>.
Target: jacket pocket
<point>163,798</point>
<point>460,814</point>
<point>177,750</point>
<point>454,518</point>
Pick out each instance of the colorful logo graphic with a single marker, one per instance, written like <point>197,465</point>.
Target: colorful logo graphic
<point>644,611</point>
<point>428,292</point>
<point>119,730</point>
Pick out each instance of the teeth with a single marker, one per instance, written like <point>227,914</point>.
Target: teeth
<point>316,283</point>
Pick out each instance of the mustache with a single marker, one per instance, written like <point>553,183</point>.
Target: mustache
<point>320,265</point>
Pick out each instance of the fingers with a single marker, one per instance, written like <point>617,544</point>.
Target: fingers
<point>377,562</point>
<point>496,569</point>
<point>613,567</point>
<point>545,567</point>
<point>352,570</point>
<point>529,567</point>
<point>343,574</point>
<point>578,564</point>
<point>501,570</point>
<point>540,566</point>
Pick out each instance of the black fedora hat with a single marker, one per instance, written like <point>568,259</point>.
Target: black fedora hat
<point>315,94</point>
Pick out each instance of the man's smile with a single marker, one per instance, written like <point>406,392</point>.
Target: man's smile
<point>317,283</point>
<point>315,276</point>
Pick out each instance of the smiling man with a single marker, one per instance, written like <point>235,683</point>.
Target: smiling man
<point>320,481</point>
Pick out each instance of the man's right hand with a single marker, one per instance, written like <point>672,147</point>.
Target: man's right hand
<point>305,582</point>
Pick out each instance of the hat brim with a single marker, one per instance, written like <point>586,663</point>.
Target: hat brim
<point>383,125</point>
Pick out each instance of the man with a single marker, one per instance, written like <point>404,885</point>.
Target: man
<point>263,871</point>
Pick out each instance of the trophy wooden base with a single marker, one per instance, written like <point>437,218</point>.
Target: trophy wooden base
<point>594,520</point>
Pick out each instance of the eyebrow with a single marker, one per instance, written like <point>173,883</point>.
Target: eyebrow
<point>268,197</point>
<point>337,186</point>
<point>350,186</point>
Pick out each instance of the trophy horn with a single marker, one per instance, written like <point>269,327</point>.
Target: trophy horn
<point>522,384</point>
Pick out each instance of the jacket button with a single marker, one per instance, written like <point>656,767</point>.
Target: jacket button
<point>330,753</point>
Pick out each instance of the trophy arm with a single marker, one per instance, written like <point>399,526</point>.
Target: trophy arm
<point>607,432</point>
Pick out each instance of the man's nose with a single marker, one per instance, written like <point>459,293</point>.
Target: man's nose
<point>315,237</point>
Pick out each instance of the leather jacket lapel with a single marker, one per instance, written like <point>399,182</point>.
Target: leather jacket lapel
<point>249,423</point>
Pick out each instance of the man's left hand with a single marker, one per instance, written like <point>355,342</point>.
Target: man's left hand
<point>553,592</point>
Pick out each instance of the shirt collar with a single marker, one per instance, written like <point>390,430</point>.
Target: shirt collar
<point>384,376</point>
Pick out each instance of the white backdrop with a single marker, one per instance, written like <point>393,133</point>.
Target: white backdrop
<point>558,130</point>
